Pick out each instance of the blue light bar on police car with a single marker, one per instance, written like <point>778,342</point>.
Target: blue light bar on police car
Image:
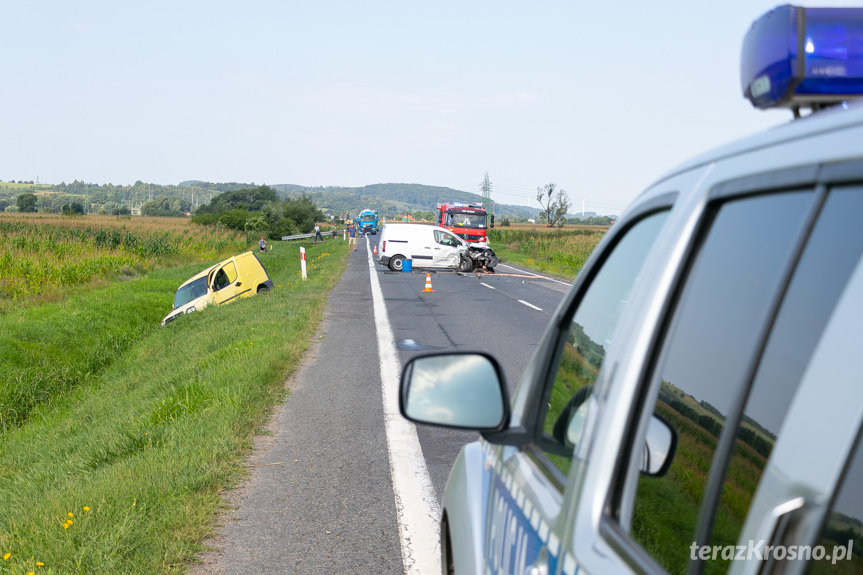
<point>795,57</point>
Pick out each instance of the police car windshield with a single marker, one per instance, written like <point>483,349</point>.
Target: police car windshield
<point>460,220</point>
<point>190,291</point>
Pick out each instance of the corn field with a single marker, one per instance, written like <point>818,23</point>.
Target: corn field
<point>42,251</point>
<point>564,249</point>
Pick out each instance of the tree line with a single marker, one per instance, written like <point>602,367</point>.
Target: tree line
<point>260,212</point>
<point>389,200</point>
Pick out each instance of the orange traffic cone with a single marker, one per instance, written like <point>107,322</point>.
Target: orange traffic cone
<point>375,250</point>
<point>428,288</point>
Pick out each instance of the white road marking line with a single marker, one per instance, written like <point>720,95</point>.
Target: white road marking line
<point>486,285</point>
<point>535,274</point>
<point>530,305</point>
<point>416,504</point>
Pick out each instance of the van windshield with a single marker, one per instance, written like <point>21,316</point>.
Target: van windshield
<point>461,220</point>
<point>190,291</point>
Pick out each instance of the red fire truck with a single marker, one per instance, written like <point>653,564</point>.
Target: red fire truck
<point>468,221</point>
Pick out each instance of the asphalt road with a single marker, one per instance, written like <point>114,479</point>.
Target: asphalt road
<point>503,314</point>
<point>319,497</point>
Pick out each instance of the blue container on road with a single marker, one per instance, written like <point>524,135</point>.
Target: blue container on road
<point>407,266</point>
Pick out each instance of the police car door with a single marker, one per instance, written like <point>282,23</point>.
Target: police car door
<point>527,520</point>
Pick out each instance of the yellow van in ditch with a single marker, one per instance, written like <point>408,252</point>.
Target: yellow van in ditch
<point>239,276</point>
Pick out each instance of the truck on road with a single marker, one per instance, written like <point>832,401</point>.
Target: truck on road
<point>368,222</point>
<point>467,221</point>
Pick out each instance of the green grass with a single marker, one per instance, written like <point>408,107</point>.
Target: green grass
<point>557,252</point>
<point>143,425</point>
<point>38,362</point>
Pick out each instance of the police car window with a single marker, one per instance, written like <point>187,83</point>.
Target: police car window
<point>831,254</point>
<point>590,334</point>
<point>839,548</point>
<point>704,359</point>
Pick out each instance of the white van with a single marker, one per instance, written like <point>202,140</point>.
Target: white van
<point>430,247</point>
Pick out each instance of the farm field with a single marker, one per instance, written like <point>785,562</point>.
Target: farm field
<point>43,252</point>
<point>560,252</point>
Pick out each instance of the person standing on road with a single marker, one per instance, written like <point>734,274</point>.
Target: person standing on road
<point>318,235</point>
<point>352,236</point>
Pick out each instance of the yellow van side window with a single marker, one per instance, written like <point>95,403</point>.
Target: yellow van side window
<point>225,276</point>
<point>231,271</point>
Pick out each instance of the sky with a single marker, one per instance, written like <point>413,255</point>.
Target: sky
<point>598,98</point>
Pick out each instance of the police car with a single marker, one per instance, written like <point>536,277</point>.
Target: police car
<point>696,404</point>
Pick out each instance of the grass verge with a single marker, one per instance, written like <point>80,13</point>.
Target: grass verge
<point>122,471</point>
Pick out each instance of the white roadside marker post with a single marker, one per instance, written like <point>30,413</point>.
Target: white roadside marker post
<point>303,262</point>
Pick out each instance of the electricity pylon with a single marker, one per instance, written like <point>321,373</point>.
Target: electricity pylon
<point>486,192</point>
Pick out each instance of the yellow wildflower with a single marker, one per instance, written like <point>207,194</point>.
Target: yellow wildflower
<point>39,564</point>
<point>70,514</point>
<point>86,508</point>
<point>7,556</point>
<point>65,526</point>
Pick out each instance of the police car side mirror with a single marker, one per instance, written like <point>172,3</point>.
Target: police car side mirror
<point>455,390</point>
<point>659,447</point>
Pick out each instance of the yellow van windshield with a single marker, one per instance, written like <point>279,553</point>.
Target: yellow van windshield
<point>190,291</point>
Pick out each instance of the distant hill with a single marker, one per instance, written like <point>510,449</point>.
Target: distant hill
<point>389,200</point>
<point>393,199</point>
